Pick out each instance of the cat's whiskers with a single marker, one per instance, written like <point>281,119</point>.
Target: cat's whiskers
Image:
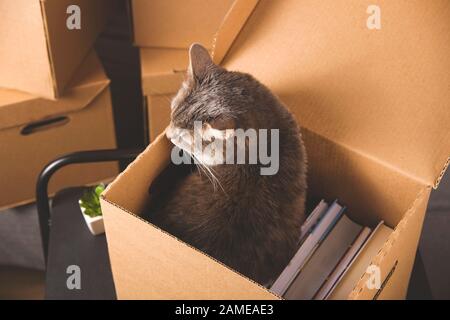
<point>209,172</point>
<point>202,170</point>
<point>214,178</point>
<point>198,165</point>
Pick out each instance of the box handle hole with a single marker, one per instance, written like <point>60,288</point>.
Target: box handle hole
<point>44,125</point>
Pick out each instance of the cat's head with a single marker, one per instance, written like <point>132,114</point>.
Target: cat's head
<point>221,107</point>
<point>217,98</point>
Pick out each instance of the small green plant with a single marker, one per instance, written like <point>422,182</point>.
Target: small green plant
<point>90,201</point>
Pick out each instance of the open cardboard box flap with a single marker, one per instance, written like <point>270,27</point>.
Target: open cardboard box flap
<point>169,24</point>
<point>39,53</point>
<point>163,68</point>
<point>68,48</point>
<point>384,93</point>
<point>18,108</point>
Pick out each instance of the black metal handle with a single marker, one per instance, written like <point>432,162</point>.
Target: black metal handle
<point>72,158</point>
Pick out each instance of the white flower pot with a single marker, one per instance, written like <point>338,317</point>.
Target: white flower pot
<point>95,224</point>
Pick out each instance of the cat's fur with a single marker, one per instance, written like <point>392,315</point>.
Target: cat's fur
<point>252,222</point>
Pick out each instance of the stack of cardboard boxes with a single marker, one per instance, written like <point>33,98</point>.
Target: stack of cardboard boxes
<point>164,30</point>
<point>374,110</point>
<point>54,94</point>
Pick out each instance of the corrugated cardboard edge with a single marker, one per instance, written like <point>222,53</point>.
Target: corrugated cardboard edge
<point>421,193</point>
<point>441,174</point>
<point>232,24</point>
<point>378,259</point>
<point>104,194</point>
<point>56,90</point>
<point>103,197</point>
<point>98,88</point>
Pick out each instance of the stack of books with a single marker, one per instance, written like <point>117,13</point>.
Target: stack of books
<point>334,252</point>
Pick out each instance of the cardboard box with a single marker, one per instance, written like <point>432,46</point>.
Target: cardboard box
<point>162,72</point>
<point>177,24</point>
<point>373,106</point>
<point>39,54</point>
<point>163,69</point>
<point>35,131</point>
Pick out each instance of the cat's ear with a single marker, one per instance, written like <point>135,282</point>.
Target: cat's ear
<point>200,61</point>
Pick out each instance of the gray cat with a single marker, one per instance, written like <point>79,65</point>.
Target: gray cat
<point>251,222</point>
